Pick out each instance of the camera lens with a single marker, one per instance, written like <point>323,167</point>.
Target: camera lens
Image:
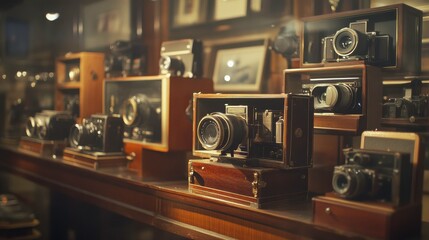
<point>137,110</point>
<point>83,135</point>
<point>42,130</point>
<point>349,181</point>
<point>349,42</point>
<point>220,131</point>
<point>30,128</point>
<point>334,97</point>
<point>174,66</point>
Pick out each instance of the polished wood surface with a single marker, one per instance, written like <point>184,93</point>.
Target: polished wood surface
<point>168,205</point>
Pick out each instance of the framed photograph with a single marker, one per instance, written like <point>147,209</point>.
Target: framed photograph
<point>188,12</point>
<point>227,9</point>
<point>240,68</point>
<point>105,22</point>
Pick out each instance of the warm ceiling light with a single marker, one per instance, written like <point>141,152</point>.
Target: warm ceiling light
<point>52,16</point>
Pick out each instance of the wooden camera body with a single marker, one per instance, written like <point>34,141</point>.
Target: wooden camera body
<point>269,130</point>
<point>394,34</point>
<point>348,98</point>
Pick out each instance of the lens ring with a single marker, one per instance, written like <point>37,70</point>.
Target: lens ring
<point>346,41</point>
<point>346,98</point>
<point>349,182</point>
<point>41,127</point>
<point>75,135</point>
<point>30,128</point>
<point>130,103</point>
<point>221,128</point>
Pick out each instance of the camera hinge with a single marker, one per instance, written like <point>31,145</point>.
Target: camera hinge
<point>257,184</point>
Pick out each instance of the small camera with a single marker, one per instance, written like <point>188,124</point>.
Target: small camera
<point>99,133</point>
<point>49,125</point>
<point>416,106</point>
<point>338,97</point>
<point>182,58</point>
<point>254,131</point>
<point>356,43</point>
<point>142,118</point>
<point>124,58</point>
<point>374,174</point>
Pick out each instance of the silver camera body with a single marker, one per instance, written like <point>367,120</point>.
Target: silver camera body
<point>182,58</point>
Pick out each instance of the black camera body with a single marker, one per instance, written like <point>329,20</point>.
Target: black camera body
<point>124,58</point>
<point>356,43</point>
<point>49,125</point>
<point>183,58</point>
<point>411,108</point>
<point>374,175</point>
<point>99,133</point>
<point>142,118</point>
<point>335,96</point>
<point>254,129</point>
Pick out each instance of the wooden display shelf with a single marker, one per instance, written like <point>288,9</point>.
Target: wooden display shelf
<point>168,205</point>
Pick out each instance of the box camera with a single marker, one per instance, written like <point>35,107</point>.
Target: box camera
<point>336,95</point>
<point>347,98</point>
<point>182,58</point>
<point>254,129</point>
<point>99,133</point>
<point>124,58</point>
<point>411,108</point>
<point>49,125</point>
<point>153,109</point>
<point>389,37</point>
<point>374,174</point>
<point>356,43</point>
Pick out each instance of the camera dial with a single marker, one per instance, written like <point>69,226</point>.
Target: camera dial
<point>349,42</point>
<point>221,131</point>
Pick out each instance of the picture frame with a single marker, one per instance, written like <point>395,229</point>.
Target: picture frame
<point>228,9</point>
<point>105,22</point>
<point>188,12</point>
<point>240,67</point>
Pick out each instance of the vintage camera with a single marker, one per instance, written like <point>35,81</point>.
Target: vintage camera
<point>374,174</point>
<point>356,43</point>
<point>416,106</point>
<point>99,133</point>
<point>49,125</point>
<point>255,130</point>
<point>182,58</point>
<point>124,58</point>
<point>335,95</point>
<point>142,118</point>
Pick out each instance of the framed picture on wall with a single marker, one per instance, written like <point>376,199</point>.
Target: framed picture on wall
<point>189,12</point>
<point>227,9</point>
<point>240,67</point>
<point>105,22</point>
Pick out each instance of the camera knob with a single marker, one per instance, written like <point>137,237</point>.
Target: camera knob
<point>331,96</point>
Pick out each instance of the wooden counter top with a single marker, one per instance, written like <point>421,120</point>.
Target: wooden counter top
<point>168,206</point>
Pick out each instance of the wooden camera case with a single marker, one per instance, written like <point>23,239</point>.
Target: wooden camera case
<point>370,80</point>
<point>401,22</point>
<point>172,94</point>
<point>297,130</point>
<point>257,187</point>
<point>374,219</point>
